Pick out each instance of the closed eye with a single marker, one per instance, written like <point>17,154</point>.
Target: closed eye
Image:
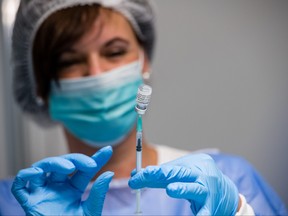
<point>115,48</point>
<point>62,64</point>
<point>115,53</point>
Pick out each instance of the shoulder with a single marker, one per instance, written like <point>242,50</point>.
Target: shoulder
<point>238,169</point>
<point>250,183</point>
<point>167,153</point>
<point>230,162</point>
<point>8,204</point>
<point>5,187</point>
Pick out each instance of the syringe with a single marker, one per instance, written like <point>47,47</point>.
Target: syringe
<point>142,101</point>
<point>138,161</point>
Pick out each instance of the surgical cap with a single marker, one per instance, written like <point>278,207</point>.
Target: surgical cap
<point>32,13</point>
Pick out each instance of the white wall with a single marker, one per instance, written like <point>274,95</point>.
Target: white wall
<point>3,148</point>
<point>220,79</point>
<point>12,145</point>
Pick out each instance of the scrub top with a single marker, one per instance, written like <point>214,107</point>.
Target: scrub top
<point>120,199</point>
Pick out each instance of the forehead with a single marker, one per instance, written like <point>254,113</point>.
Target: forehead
<point>109,24</point>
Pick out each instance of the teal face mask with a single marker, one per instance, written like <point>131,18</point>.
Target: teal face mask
<point>98,110</point>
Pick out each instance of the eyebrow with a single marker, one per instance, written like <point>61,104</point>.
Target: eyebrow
<point>116,40</point>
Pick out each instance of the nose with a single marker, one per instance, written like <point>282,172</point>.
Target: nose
<point>95,65</point>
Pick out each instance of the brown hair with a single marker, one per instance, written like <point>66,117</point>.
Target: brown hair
<point>58,32</point>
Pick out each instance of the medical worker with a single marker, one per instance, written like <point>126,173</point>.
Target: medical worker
<point>79,63</point>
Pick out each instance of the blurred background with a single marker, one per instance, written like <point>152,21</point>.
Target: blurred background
<point>220,80</point>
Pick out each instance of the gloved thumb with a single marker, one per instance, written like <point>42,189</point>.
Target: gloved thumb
<point>94,204</point>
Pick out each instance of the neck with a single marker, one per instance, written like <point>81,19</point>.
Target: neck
<point>123,160</point>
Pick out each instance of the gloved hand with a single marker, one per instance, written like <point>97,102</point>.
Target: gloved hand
<point>193,177</point>
<point>48,188</point>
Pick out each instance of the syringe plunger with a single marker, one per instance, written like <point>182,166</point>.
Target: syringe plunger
<point>143,98</point>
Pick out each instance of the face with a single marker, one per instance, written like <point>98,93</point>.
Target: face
<point>111,43</point>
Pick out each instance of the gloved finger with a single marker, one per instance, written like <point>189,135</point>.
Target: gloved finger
<point>80,161</point>
<point>82,177</point>
<point>189,191</point>
<point>102,156</point>
<point>133,172</point>
<point>40,181</point>
<point>94,204</point>
<point>59,168</point>
<point>58,177</point>
<point>55,164</point>
<point>18,188</point>
<point>161,176</point>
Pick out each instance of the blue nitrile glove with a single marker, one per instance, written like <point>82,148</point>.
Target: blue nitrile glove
<point>193,177</point>
<point>48,188</point>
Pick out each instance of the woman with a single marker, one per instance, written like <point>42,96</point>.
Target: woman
<point>83,62</point>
